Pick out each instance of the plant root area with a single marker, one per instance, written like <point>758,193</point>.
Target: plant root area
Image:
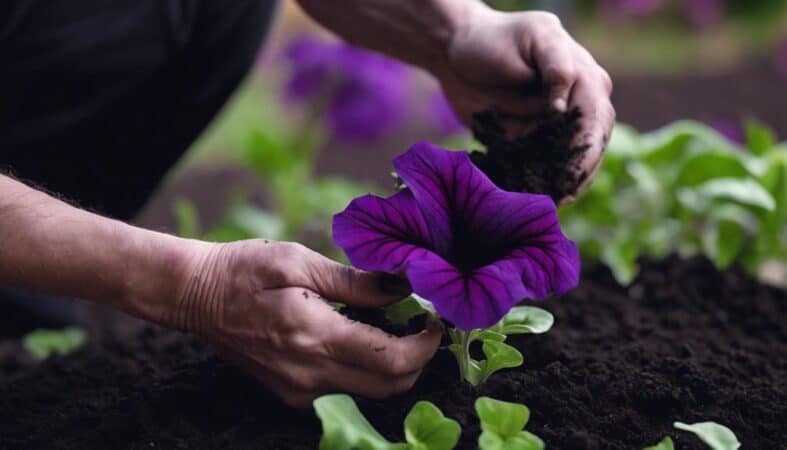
<point>684,342</point>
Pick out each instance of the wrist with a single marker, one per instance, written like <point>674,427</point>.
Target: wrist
<point>458,18</point>
<point>171,281</point>
<point>203,280</point>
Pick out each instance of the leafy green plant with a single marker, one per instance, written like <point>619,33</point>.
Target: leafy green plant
<point>345,427</point>
<point>498,354</point>
<point>502,426</point>
<point>425,427</point>
<point>664,444</point>
<point>684,189</point>
<point>716,436</point>
<point>43,343</point>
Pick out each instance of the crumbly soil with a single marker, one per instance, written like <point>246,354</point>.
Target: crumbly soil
<point>544,161</point>
<point>684,342</point>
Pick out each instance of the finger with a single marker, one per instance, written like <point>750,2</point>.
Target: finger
<point>553,55</point>
<point>591,96</point>
<point>354,380</point>
<point>370,348</point>
<point>352,286</point>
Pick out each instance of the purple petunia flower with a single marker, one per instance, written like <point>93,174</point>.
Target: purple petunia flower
<point>467,246</point>
<point>445,117</point>
<point>364,92</point>
<point>701,13</point>
<point>732,131</point>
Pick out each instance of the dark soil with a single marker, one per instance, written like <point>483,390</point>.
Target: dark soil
<point>685,342</point>
<point>545,161</point>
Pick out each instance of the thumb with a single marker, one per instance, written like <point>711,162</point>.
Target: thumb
<point>355,287</point>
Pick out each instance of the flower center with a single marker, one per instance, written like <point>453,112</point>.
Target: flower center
<point>469,251</point>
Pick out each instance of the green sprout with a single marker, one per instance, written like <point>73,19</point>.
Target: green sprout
<point>43,343</point>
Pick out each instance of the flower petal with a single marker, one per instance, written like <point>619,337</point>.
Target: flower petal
<point>381,234</point>
<point>476,300</point>
<point>445,184</point>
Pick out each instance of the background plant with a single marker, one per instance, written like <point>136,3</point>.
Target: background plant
<point>686,189</point>
<point>425,427</point>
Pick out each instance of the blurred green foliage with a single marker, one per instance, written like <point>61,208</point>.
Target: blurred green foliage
<point>685,189</point>
<point>43,343</point>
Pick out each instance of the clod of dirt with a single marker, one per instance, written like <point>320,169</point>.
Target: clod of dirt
<point>544,161</point>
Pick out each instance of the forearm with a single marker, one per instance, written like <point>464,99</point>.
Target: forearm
<point>415,31</point>
<point>51,247</point>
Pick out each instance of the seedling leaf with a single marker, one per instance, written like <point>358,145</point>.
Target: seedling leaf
<point>717,436</point>
<point>426,428</point>
<point>44,343</point>
<point>665,444</point>
<point>502,426</point>
<point>344,426</point>
<point>401,312</point>
<point>525,319</point>
<point>499,355</point>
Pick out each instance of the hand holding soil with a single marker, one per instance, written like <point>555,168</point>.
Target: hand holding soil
<point>525,68</point>
<point>264,305</point>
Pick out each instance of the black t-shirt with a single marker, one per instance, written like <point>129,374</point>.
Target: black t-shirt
<point>98,98</point>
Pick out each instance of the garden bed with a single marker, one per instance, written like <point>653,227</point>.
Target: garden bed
<point>684,342</point>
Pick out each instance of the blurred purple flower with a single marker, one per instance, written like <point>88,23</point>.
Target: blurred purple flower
<point>364,92</point>
<point>629,8</point>
<point>729,129</point>
<point>470,248</point>
<point>445,117</point>
<point>701,13</point>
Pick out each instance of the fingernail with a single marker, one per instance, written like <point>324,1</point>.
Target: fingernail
<point>559,105</point>
<point>393,285</point>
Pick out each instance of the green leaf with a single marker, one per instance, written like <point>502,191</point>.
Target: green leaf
<point>707,166</point>
<point>402,311</point>
<point>723,242</point>
<point>499,356</point>
<point>621,257</point>
<point>186,218</point>
<point>525,319</point>
<point>471,370</point>
<point>256,222</point>
<point>742,191</point>
<point>502,426</point>
<point>426,428</point>
<point>717,436</point>
<point>665,444</point>
<point>759,139</point>
<point>44,343</point>
<point>344,426</point>
<point>267,154</point>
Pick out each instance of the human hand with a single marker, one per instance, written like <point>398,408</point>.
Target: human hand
<point>263,304</point>
<point>525,65</point>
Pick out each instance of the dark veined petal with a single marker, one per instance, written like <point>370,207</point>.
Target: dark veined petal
<point>445,184</point>
<point>471,249</point>
<point>546,269</point>
<point>382,233</point>
<point>476,300</point>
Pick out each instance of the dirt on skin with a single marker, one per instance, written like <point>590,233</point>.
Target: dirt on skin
<point>544,161</point>
<point>684,342</point>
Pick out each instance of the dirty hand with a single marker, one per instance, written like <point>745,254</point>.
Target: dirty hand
<point>526,65</point>
<point>263,304</point>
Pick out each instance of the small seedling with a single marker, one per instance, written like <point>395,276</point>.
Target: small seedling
<point>44,343</point>
<point>425,427</point>
<point>716,436</point>
<point>345,427</point>
<point>502,426</point>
